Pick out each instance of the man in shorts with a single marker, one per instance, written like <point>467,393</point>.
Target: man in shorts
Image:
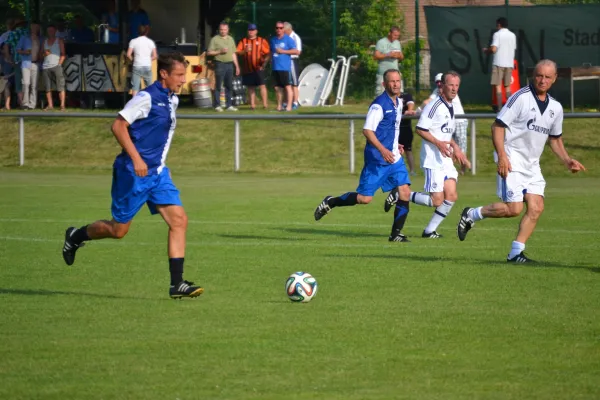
<point>520,133</point>
<point>282,48</point>
<point>504,44</point>
<point>384,167</point>
<point>254,53</point>
<point>52,67</point>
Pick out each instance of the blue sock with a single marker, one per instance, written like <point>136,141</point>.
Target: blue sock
<point>347,199</point>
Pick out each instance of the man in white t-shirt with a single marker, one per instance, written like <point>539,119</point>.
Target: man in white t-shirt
<point>436,126</point>
<point>504,44</point>
<point>142,51</point>
<point>520,133</point>
<point>295,71</point>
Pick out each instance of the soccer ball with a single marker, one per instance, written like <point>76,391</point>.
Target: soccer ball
<point>301,287</point>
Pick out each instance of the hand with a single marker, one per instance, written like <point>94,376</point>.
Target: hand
<point>461,158</point>
<point>444,148</point>
<point>223,50</point>
<point>575,166</point>
<point>237,71</point>
<point>410,112</point>
<point>485,49</point>
<point>278,50</point>
<point>401,148</point>
<point>261,68</point>
<point>504,166</point>
<point>388,156</point>
<point>140,168</point>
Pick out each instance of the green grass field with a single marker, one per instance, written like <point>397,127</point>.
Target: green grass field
<point>423,320</point>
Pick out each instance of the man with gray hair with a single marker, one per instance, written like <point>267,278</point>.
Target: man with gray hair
<point>295,71</point>
<point>520,133</point>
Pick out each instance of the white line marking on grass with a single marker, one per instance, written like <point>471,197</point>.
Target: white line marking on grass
<point>289,223</point>
<point>290,242</point>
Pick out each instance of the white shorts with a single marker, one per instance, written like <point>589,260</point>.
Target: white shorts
<point>517,184</point>
<point>435,178</point>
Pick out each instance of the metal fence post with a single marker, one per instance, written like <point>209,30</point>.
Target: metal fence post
<point>473,148</point>
<point>236,148</point>
<point>21,141</point>
<point>351,144</point>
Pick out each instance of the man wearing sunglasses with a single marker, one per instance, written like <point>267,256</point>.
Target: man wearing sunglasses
<point>282,48</point>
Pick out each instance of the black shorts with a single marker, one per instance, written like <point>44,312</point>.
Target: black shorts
<point>295,72</point>
<point>281,78</point>
<point>256,78</point>
<point>406,138</point>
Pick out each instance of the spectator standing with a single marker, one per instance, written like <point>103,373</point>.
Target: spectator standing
<point>142,51</point>
<point>295,71</point>
<point>254,52</point>
<point>6,74</point>
<point>12,40</point>
<point>388,52</point>
<point>282,48</point>
<point>504,44</point>
<point>10,23</point>
<point>222,47</point>
<point>137,17</point>
<point>406,132</point>
<point>81,33</point>
<point>52,70</point>
<point>62,32</point>
<point>111,18</point>
<point>29,50</point>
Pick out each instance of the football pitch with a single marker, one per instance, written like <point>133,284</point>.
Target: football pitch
<point>430,319</point>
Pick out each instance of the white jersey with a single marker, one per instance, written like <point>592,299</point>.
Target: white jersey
<point>506,43</point>
<point>456,103</point>
<point>438,119</point>
<point>298,42</point>
<point>529,122</point>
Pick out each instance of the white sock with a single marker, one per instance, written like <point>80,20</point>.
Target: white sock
<point>422,199</point>
<point>516,249</point>
<point>438,216</point>
<point>475,214</point>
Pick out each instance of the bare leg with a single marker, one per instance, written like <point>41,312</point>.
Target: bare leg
<point>498,96</point>
<point>411,161</point>
<point>263,95</point>
<point>252,96</point>
<point>289,97</point>
<point>103,229</point>
<point>177,220</point>
<point>62,97</point>
<point>502,210</point>
<point>279,93</point>
<point>535,207</point>
<point>296,94</point>
<point>50,101</point>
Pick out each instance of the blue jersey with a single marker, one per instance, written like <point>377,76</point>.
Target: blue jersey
<point>383,118</point>
<point>282,62</point>
<point>137,18</point>
<point>151,115</point>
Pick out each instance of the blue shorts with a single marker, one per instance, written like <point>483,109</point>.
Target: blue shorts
<point>130,192</point>
<point>384,176</point>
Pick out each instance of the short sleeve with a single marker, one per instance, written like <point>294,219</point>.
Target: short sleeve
<point>495,40</point>
<point>265,47</point>
<point>511,109</point>
<point>21,44</point>
<point>137,108</point>
<point>131,44</point>
<point>240,46</point>
<point>380,47</point>
<point>426,120</point>
<point>152,44</point>
<point>212,45</point>
<point>291,43</point>
<point>374,117</point>
<point>557,126</point>
<point>408,98</point>
<point>299,43</point>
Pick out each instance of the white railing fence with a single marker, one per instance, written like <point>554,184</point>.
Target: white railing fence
<point>241,117</point>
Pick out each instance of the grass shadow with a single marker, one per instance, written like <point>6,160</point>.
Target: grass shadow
<point>329,232</point>
<point>43,292</point>
<point>497,263</point>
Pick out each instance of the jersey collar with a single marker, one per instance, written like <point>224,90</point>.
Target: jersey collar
<point>542,105</point>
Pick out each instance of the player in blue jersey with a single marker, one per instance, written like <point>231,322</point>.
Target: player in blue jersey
<point>144,129</point>
<point>384,167</point>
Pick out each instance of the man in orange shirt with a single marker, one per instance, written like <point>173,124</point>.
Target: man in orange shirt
<point>254,52</point>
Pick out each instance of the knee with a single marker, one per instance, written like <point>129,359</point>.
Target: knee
<point>453,197</point>
<point>404,193</point>
<point>535,210</point>
<point>119,231</point>
<point>179,221</point>
<point>513,210</point>
<point>364,199</point>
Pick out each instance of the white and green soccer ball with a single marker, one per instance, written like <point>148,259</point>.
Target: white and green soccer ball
<point>301,287</point>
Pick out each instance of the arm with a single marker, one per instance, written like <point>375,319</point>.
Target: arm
<point>154,54</point>
<point>372,139</point>
<point>235,62</point>
<point>444,147</point>
<point>130,54</point>
<point>61,44</point>
<point>498,133</point>
<point>379,55</point>
<point>121,133</point>
<point>558,147</point>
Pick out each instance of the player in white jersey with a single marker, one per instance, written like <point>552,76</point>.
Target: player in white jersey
<point>436,126</point>
<point>520,133</point>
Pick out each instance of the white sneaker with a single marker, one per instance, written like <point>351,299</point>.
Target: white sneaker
<point>231,108</point>
<point>219,109</point>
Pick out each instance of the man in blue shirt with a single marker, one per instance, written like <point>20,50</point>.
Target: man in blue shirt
<point>282,48</point>
<point>384,167</point>
<point>111,18</point>
<point>137,17</point>
<point>144,129</point>
<point>81,33</point>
